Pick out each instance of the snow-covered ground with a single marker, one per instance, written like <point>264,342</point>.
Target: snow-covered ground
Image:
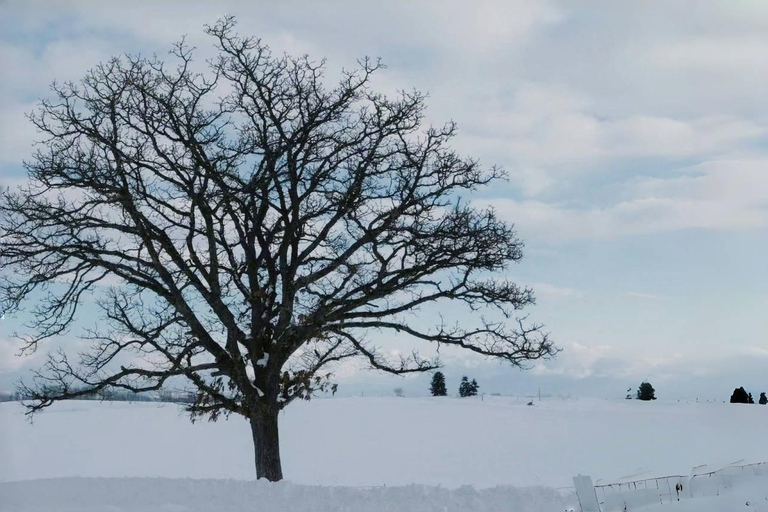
<point>369,454</point>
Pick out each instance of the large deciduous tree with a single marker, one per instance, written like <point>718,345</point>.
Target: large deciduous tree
<point>242,228</point>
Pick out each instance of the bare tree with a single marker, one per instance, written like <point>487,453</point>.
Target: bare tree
<point>243,228</point>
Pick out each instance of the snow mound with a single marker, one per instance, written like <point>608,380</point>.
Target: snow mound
<point>192,495</point>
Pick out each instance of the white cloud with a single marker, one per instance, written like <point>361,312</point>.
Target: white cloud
<point>719,57</point>
<point>580,361</point>
<point>722,195</point>
<point>647,296</point>
<point>27,75</point>
<point>753,351</point>
<point>10,359</point>
<point>556,127</point>
<point>550,292</point>
<point>587,360</point>
<point>663,136</point>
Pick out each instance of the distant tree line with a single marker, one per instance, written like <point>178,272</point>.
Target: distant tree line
<point>741,396</point>
<point>113,395</point>
<point>466,388</point>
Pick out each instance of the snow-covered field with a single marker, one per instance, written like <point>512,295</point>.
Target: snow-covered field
<point>369,454</point>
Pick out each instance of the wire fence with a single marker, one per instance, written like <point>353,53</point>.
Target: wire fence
<point>640,493</point>
<point>712,483</point>
<point>633,495</point>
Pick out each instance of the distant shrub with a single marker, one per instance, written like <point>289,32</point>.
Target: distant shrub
<point>763,399</point>
<point>646,392</point>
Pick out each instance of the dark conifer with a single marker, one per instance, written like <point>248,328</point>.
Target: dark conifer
<point>739,396</point>
<point>473,387</point>
<point>467,388</point>
<point>464,387</point>
<point>646,392</point>
<point>437,388</point>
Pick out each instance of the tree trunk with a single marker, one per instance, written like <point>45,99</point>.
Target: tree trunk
<point>266,443</point>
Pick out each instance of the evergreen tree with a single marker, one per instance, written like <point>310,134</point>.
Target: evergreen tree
<point>739,396</point>
<point>473,387</point>
<point>437,388</point>
<point>749,399</point>
<point>646,392</point>
<point>464,387</point>
<point>467,388</point>
<point>763,399</point>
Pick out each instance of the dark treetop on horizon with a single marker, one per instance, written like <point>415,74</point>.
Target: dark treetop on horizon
<point>244,227</point>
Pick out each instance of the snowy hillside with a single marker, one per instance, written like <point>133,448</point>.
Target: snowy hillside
<point>497,445</point>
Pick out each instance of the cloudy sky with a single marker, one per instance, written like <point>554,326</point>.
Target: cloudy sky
<point>634,134</point>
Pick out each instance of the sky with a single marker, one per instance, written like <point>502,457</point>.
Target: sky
<point>634,135</point>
